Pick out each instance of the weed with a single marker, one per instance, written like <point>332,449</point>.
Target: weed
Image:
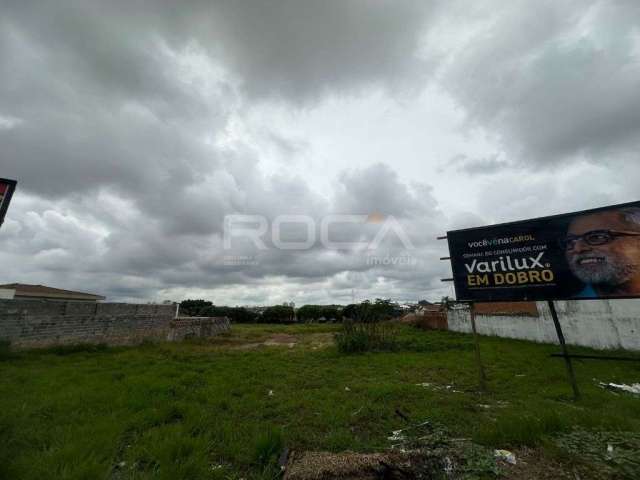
<point>267,449</point>
<point>358,337</point>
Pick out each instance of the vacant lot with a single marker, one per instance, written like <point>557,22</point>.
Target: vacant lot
<point>221,408</point>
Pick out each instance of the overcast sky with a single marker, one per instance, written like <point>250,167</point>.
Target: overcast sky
<point>134,129</point>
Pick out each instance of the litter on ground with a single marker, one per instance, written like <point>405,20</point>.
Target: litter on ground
<point>505,455</point>
<point>621,387</point>
<point>446,388</point>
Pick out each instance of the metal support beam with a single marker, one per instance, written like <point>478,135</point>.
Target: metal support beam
<point>565,351</point>
<point>482,376</point>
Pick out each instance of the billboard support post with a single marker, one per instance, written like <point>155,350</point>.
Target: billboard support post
<point>565,352</point>
<point>481,374</point>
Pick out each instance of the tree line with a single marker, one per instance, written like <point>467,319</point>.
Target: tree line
<point>367,311</point>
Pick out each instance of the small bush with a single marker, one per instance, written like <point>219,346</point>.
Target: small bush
<point>358,337</point>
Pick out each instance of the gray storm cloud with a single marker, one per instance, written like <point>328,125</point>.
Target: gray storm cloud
<point>118,119</point>
<point>555,81</point>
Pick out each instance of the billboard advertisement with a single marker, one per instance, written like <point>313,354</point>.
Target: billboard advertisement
<point>6,191</point>
<point>593,254</point>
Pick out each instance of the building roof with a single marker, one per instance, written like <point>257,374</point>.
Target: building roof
<point>432,307</point>
<point>42,291</point>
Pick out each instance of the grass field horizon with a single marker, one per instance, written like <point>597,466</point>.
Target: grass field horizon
<point>223,407</point>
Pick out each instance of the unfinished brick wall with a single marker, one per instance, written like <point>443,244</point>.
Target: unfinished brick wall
<point>32,323</point>
<point>197,327</point>
<point>432,321</point>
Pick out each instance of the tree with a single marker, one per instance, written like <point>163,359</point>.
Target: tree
<point>192,308</point>
<point>367,311</point>
<point>278,314</point>
<point>235,314</point>
<point>309,313</point>
<point>331,312</point>
<point>350,311</point>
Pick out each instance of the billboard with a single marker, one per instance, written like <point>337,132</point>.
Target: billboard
<point>592,254</point>
<point>6,192</point>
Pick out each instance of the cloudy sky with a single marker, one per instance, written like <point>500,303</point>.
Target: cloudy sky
<point>134,128</point>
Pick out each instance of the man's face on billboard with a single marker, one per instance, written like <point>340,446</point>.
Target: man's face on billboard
<point>603,248</point>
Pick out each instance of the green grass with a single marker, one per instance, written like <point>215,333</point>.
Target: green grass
<point>203,409</point>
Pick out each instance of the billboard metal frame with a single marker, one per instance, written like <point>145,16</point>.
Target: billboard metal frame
<point>7,198</point>
<point>565,355</point>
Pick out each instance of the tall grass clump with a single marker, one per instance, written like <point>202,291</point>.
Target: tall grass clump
<point>513,430</point>
<point>357,337</point>
<point>368,331</point>
<point>267,449</point>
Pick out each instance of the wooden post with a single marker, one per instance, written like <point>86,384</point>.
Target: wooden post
<point>483,377</point>
<point>565,352</point>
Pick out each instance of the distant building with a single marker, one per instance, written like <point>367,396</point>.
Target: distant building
<point>407,307</point>
<point>426,308</point>
<point>20,291</point>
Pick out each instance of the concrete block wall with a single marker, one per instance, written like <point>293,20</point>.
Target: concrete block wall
<point>197,327</point>
<point>601,324</point>
<point>33,323</point>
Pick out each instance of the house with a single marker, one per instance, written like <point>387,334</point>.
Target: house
<point>428,308</point>
<point>20,291</point>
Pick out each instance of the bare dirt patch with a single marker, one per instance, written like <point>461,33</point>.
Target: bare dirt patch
<point>531,464</point>
<point>281,339</point>
<point>346,466</point>
<point>314,340</point>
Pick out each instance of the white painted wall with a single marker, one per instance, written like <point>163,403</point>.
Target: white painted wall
<point>599,324</point>
<point>7,293</point>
